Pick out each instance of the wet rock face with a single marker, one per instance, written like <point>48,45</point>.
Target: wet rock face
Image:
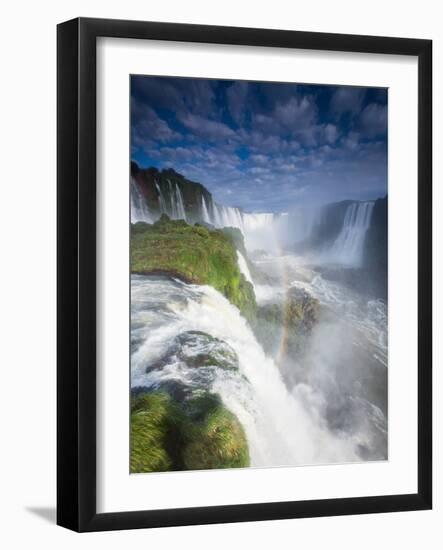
<point>330,225</point>
<point>376,249</point>
<point>157,185</point>
<point>284,328</point>
<point>303,310</point>
<point>299,311</point>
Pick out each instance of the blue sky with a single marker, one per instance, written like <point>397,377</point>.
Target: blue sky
<point>263,146</point>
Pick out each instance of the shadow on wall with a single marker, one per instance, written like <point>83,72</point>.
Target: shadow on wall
<point>46,513</point>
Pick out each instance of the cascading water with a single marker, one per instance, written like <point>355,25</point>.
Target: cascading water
<point>227,216</point>
<point>280,429</point>
<point>348,247</point>
<point>259,229</point>
<point>180,206</point>
<point>244,269</point>
<point>262,230</point>
<point>139,208</point>
<point>172,204</point>
<point>326,402</point>
<point>161,200</point>
<point>204,212</point>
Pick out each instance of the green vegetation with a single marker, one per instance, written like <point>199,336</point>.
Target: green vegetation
<point>198,434</point>
<point>155,422</point>
<point>219,442</point>
<point>194,253</point>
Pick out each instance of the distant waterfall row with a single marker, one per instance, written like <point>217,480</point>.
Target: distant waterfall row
<point>139,209</point>
<point>336,231</point>
<point>229,216</point>
<point>260,230</point>
<point>172,204</point>
<point>255,227</point>
<point>348,247</point>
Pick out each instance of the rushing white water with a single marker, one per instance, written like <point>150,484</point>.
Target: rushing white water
<point>179,204</point>
<point>161,199</point>
<point>177,208</point>
<point>205,212</point>
<point>282,427</point>
<point>345,358</point>
<point>139,208</point>
<point>244,268</point>
<point>172,203</point>
<point>348,247</point>
<point>227,216</point>
<point>260,230</point>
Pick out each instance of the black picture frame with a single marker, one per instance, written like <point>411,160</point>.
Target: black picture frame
<point>76,266</point>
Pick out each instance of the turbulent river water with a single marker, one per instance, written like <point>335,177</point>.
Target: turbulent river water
<point>328,404</point>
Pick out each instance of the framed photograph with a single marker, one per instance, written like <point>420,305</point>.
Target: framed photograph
<point>244,274</point>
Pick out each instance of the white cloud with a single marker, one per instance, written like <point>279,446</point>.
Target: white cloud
<point>236,95</point>
<point>204,127</point>
<point>347,99</point>
<point>331,133</point>
<point>373,120</point>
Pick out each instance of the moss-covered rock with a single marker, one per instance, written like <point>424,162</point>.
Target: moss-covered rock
<point>236,237</point>
<point>156,422</point>
<point>299,311</point>
<point>219,441</point>
<point>194,254</point>
<point>197,434</point>
<point>292,319</point>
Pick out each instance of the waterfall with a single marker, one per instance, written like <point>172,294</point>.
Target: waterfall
<point>259,229</point>
<point>227,216</point>
<point>260,221</point>
<point>244,269</point>
<point>263,231</point>
<point>348,247</point>
<point>172,201</point>
<point>161,200</point>
<point>180,206</point>
<point>280,427</point>
<point>139,208</point>
<point>173,206</point>
<point>204,212</point>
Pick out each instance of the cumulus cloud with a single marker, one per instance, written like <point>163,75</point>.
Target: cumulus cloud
<point>297,115</point>
<point>330,133</point>
<point>148,126</point>
<point>203,127</point>
<point>295,142</point>
<point>236,95</point>
<point>373,120</point>
<point>351,140</point>
<point>347,99</point>
<point>179,95</point>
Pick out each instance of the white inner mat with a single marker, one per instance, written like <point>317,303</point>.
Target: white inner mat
<point>116,489</point>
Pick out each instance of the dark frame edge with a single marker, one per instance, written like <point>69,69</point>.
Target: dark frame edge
<point>67,279</point>
<point>424,176</point>
<point>254,512</point>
